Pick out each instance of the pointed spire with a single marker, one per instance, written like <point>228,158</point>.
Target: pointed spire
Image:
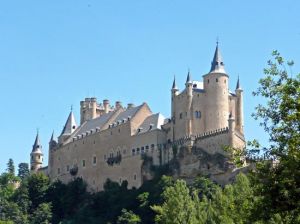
<point>217,65</point>
<point>36,148</point>
<point>52,137</point>
<point>70,125</point>
<point>238,83</point>
<point>174,87</point>
<point>188,78</point>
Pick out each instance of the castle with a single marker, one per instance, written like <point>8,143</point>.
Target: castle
<point>112,141</point>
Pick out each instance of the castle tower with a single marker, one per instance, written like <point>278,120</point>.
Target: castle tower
<point>239,108</point>
<point>68,129</point>
<point>216,94</point>
<point>52,142</point>
<point>36,155</point>
<point>174,93</point>
<point>88,109</point>
<point>189,93</point>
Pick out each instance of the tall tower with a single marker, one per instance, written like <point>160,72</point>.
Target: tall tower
<point>36,155</point>
<point>189,94</point>
<point>239,108</point>
<point>174,93</point>
<point>216,94</point>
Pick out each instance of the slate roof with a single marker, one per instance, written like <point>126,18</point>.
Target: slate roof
<point>217,65</point>
<point>153,122</point>
<point>70,125</point>
<point>36,148</point>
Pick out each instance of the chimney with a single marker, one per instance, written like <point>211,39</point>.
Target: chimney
<point>130,105</point>
<point>118,104</point>
<point>106,106</point>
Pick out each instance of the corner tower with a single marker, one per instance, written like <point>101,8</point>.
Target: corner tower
<point>36,155</point>
<point>216,94</point>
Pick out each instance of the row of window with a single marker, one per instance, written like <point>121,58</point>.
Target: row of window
<point>142,149</point>
<point>197,114</point>
<point>217,80</point>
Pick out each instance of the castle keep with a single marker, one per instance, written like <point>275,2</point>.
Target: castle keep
<point>112,141</point>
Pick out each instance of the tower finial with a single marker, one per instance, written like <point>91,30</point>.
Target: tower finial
<point>71,107</point>
<point>238,83</point>
<point>188,78</point>
<point>217,42</point>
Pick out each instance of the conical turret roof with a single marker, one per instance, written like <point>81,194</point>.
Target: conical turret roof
<point>217,65</point>
<point>37,147</point>
<point>188,77</point>
<point>174,87</point>
<point>70,125</point>
<point>238,84</point>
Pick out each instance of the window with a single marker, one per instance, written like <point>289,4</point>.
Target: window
<point>134,177</point>
<point>83,163</point>
<point>152,146</point>
<point>133,152</point>
<point>142,150</point>
<point>224,80</point>
<point>68,168</point>
<point>138,151</point>
<point>147,146</point>
<point>207,80</point>
<point>94,160</point>
<point>217,80</point>
<point>58,171</point>
<point>198,114</point>
<point>180,116</point>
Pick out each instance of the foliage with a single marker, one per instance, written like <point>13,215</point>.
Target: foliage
<point>23,170</point>
<point>11,167</point>
<point>128,217</point>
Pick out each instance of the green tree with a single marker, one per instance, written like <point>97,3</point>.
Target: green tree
<point>178,207</point>
<point>128,217</point>
<point>276,180</point>
<point>38,185</point>
<point>10,167</point>
<point>23,170</point>
<point>42,214</point>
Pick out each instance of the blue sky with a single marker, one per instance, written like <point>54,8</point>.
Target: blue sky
<point>55,53</point>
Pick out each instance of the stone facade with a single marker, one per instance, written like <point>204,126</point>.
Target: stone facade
<point>112,141</point>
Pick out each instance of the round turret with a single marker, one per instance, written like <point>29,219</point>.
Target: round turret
<point>216,94</point>
<point>36,156</point>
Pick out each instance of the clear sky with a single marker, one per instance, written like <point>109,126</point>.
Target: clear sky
<point>55,53</point>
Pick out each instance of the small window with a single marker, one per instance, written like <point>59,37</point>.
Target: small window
<point>138,151</point>
<point>207,80</point>
<point>58,171</point>
<point>224,80</point>
<point>83,163</point>
<point>142,150</point>
<point>133,152</point>
<point>217,80</point>
<point>119,130</point>
<point>180,116</point>
<point>94,160</point>
<point>152,146</point>
<point>198,114</point>
<point>134,177</point>
<point>68,168</point>
<point>147,146</point>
